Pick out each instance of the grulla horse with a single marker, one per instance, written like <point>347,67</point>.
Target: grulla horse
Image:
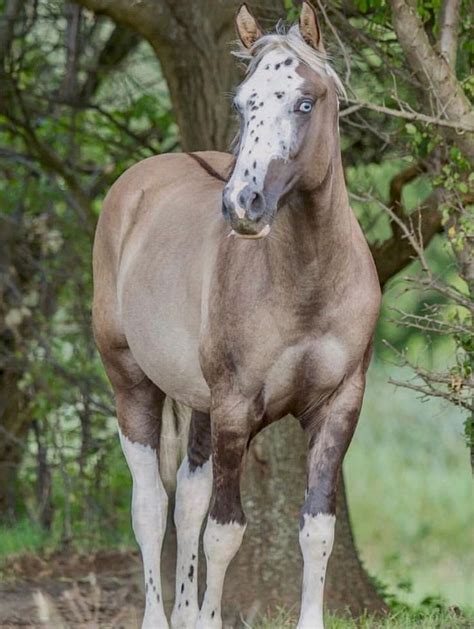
<point>244,289</point>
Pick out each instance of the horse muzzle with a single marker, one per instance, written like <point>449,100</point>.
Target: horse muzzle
<point>246,212</point>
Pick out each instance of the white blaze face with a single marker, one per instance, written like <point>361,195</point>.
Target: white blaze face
<point>266,102</point>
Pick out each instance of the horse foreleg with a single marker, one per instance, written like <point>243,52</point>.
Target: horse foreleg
<point>193,493</point>
<point>139,414</point>
<point>226,522</point>
<point>330,430</point>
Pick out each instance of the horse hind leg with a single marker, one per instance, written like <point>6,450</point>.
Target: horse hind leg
<point>139,407</point>
<point>193,493</point>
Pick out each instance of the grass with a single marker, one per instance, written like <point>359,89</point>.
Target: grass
<point>421,618</point>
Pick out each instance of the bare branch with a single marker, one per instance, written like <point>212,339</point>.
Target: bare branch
<point>462,126</point>
<point>434,73</point>
<point>448,42</point>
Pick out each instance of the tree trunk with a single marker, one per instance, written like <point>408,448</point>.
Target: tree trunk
<point>13,430</point>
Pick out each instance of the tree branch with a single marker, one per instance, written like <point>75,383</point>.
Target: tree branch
<point>120,44</point>
<point>463,125</point>
<point>434,73</point>
<point>448,41</point>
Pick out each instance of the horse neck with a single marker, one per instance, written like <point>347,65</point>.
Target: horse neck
<point>315,230</point>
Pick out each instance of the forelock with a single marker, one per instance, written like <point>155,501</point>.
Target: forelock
<point>290,41</point>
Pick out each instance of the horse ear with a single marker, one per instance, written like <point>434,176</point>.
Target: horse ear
<point>247,27</point>
<point>309,27</point>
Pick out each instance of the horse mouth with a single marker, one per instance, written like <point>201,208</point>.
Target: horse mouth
<point>261,234</point>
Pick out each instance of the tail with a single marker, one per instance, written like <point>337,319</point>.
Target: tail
<point>175,422</point>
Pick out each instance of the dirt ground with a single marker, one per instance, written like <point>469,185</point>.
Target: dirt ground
<point>103,590</point>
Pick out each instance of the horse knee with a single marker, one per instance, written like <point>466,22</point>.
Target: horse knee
<point>222,541</point>
<point>317,538</point>
<point>193,493</point>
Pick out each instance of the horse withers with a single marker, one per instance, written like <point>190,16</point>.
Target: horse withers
<point>243,289</point>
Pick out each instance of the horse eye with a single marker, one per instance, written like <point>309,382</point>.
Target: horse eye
<point>305,106</point>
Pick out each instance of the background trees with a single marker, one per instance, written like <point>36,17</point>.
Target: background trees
<point>88,88</point>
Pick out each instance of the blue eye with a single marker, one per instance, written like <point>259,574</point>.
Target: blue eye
<point>305,107</point>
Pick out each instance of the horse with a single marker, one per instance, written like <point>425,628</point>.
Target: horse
<point>241,287</point>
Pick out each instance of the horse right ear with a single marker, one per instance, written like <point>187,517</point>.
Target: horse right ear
<point>247,27</point>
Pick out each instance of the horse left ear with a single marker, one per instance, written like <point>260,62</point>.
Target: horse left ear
<point>309,27</point>
<point>247,27</point>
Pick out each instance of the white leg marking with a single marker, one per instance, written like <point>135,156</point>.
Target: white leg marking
<point>149,507</point>
<point>193,493</point>
<point>221,543</point>
<point>316,540</point>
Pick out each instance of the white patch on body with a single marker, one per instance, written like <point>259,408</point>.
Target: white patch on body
<point>267,101</point>
<point>316,541</point>
<point>193,493</point>
<point>221,543</point>
<point>149,508</point>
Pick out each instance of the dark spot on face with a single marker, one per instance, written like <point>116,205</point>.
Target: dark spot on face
<point>324,554</point>
<point>254,179</point>
<point>193,557</point>
<point>279,94</point>
<point>213,613</point>
<point>256,139</point>
<point>157,598</point>
<point>288,61</point>
<point>154,588</point>
<point>182,588</point>
<point>252,117</point>
<point>289,77</point>
<point>179,606</point>
<point>261,104</point>
<point>252,132</point>
<point>253,94</point>
<point>254,164</point>
<point>187,603</point>
<point>267,67</point>
<point>277,65</point>
<point>151,581</point>
<point>245,174</point>
<point>191,573</point>
<point>254,108</point>
<point>307,534</point>
<point>322,580</point>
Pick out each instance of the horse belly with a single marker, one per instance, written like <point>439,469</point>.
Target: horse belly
<point>169,357</point>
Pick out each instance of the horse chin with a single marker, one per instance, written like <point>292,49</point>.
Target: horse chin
<point>261,234</point>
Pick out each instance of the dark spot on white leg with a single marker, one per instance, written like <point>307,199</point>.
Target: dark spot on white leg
<point>213,613</point>
<point>191,573</point>
<point>187,603</point>
<point>182,588</point>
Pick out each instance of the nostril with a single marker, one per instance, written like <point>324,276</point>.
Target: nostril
<point>256,206</point>
<point>225,211</point>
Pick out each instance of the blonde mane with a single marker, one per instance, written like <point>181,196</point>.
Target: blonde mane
<point>293,42</point>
